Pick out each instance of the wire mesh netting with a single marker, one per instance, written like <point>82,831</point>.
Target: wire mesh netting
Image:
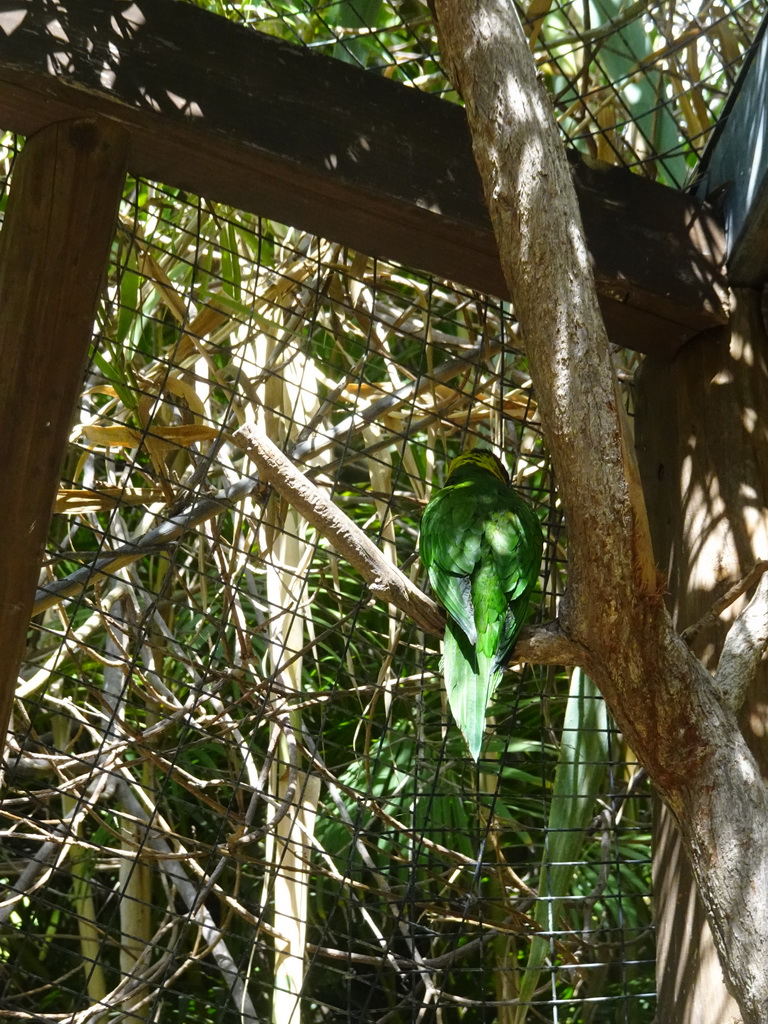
<point>637,84</point>
<point>234,790</point>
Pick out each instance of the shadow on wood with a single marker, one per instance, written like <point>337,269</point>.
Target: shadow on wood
<point>703,449</point>
<point>54,246</point>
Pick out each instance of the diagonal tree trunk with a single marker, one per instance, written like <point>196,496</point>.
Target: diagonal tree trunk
<point>681,722</point>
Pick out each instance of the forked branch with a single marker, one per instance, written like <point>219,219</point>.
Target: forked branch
<point>665,702</point>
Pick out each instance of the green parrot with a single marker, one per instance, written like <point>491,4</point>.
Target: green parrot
<point>482,546</point>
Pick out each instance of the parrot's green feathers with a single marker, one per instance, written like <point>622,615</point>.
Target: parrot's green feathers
<point>468,693</point>
<point>481,545</point>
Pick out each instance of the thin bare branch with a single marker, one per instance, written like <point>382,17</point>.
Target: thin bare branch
<point>744,647</point>
<point>385,580</point>
<point>157,539</point>
<point>732,594</point>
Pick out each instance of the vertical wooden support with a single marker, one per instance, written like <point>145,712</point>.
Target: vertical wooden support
<point>701,436</point>
<point>54,246</point>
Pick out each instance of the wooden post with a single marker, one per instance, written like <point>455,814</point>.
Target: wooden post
<point>701,438</point>
<point>54,246</point>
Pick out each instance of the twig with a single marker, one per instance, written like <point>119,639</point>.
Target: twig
<point>743,649</point>
<point>234,980</point>
<point>385,580</point>
<point>50,855</point>
<point>387,404</point>
<point>156,539</point>
<point>732,594</point>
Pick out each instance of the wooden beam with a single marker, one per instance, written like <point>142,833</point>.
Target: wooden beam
<point>734,169</point>
<point>54,247</point>
<point>223,111</point>
<point>705,478</point>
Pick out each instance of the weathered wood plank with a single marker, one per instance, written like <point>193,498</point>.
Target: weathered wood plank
<point>705,477</point>
<point>735,168</point>
<point>222,111</point>
<point>54,246</point>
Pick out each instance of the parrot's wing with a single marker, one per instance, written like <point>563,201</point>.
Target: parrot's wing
<point>450,545</point>
<point>515,539</point>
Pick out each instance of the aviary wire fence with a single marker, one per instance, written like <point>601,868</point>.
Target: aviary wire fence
<point>636,84</point>
<point>234,791</point>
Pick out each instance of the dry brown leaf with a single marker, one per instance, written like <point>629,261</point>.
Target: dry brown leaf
<point>72,502</point>
<point>166,438</point>
<point>535,13</point>
<point>162,284</point>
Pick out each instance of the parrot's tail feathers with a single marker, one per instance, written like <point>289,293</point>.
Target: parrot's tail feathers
<point>470,680</point>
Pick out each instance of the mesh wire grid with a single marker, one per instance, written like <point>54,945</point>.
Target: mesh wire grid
<point>634,84</point>
<point>234,789</point>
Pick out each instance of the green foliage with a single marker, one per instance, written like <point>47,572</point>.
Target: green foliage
<point>173,707</point>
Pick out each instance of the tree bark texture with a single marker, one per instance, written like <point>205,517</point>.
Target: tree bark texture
<point>704,467</point>
<point>661,695</point>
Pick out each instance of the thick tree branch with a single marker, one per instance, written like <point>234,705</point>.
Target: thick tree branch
<point>527,184</point>
<point>548,645</point>
<point>663,699</point>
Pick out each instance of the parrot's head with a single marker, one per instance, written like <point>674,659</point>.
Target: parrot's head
<point>468,464</point>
